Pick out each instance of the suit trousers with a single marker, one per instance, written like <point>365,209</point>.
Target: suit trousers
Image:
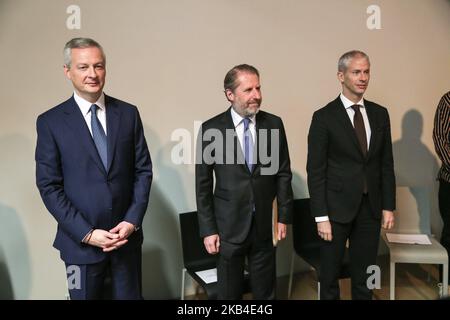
<point>261,262</point>
<point>444,208</point>
<point>117,277</point>
<point>363,234</point>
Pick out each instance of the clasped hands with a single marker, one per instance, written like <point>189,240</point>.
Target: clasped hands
<point>112,239</point>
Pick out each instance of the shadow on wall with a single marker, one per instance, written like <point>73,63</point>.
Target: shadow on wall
<point>416,166</point>
<point>15,269</point>
<point>14,257</point>
<point>6,289</point>
<point>162,255</point>
<point>422,197</point>
<point>161,249</point>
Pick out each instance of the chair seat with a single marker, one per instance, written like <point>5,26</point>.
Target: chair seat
<point>413,253</point>
<point>210,288</point>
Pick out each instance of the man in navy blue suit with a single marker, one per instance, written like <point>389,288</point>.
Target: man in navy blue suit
<point>94,172</point>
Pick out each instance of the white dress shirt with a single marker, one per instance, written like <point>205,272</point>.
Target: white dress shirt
<point>351,113</point>
<point>238,122</point>
<point>85,107</point>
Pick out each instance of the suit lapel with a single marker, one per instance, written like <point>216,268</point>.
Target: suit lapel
<point>76,122</point>
<point>112,125</point>
<point>342,115</point>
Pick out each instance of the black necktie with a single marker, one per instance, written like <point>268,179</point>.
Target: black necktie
<point>360,130</point>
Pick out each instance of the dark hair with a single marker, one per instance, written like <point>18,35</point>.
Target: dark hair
<point>230,81</point>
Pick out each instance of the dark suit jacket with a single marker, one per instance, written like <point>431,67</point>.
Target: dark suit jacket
<point>336,166</point>
<point>228,210</point>
<point>76,188</point>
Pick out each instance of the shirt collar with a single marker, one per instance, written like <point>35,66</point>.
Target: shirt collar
<point>237,119</point>
<point>85,105</point>
<point>348,103</point>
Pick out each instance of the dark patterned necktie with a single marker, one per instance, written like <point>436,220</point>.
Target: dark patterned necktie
<point>360,130</point>
<point>99,136</point>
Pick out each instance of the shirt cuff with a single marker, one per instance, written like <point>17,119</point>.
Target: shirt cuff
<point>322,219</point>
<point>87,237</point>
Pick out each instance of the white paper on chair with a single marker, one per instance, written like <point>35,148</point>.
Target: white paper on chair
<point>210,275</point>
<point>408,238</point>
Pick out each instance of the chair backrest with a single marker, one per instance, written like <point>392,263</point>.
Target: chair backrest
<point>195,256</point>
<point>413,208</point>
<point>307,242</point>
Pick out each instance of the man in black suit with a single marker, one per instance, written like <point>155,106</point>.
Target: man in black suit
<point>350,177</point>
<point>246,149</point>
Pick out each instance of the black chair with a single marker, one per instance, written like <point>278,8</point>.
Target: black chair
<point>307,243</point>
<point>196,258</point>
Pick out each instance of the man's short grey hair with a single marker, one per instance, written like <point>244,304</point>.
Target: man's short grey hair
<point>344,60</point>
<point>79,43</point>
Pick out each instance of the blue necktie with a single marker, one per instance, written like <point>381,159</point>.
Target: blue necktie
<point>248,144</point>
<point>99,136</point>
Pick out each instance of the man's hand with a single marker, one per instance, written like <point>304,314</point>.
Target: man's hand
<point>281,231</point>
<point>104,239</point>
<point>324,230</point>
<point>123,231</point>
<point>212,243</point>
<point>388,219</point>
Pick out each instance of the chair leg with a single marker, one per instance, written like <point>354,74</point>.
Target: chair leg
<point>392,281</point>
<point>318,290</point>
<point>291,274</point>
<point>445,280</point>
<point>183,279</point>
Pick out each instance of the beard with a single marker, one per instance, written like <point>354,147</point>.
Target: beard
<point>251,111</point>
<point>246,110</point>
